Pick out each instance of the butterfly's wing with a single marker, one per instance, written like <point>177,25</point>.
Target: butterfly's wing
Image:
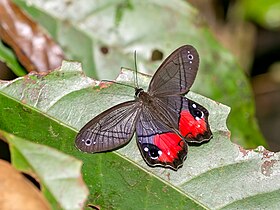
<point>189,118</point>
<point>109,130</point>
<point>193,122</point>
<point>163,142</point>
<point>176,74</point>
<point>159,144</point>
<point>174,77</point>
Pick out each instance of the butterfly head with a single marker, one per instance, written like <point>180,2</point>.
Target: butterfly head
<point>138,91</point>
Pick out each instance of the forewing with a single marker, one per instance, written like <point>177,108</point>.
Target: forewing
<point>177,73</point>
<point>159,144</point>
<point>109,130</point>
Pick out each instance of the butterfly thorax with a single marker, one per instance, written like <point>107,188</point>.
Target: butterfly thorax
<point>143,96</point>
<point>160,112</point>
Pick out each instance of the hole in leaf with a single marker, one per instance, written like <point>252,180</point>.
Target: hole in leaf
<point>156,55</point>
<point>104,50</point>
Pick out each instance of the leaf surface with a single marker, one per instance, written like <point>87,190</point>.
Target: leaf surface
<point>217,174</point>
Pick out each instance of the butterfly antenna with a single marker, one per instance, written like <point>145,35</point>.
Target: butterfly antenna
<point>118,83</point>
<point>136,71</point>
<point>135,77</point>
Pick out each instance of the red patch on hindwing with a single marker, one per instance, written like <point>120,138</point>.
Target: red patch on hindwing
<point>190,127</point>
<point>170,145</point>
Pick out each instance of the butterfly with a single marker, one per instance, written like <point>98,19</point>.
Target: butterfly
<point>164,120</point>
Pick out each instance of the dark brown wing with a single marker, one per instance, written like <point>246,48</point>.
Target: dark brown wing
<point>177,73</point>
<point>109,130</point>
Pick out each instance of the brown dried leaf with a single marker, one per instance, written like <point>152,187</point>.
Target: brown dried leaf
<point>17,192</point>
<point>34,48</point>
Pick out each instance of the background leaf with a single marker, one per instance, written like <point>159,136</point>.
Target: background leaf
<point>59,174</point>
<point>14,185</point>
<point>33,47</point>
<point>265,13</point>
<point>7,56</point>
<point>122,179</point>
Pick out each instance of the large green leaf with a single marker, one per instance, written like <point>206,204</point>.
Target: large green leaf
<point>104,34</point>
<point>215,175</point>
